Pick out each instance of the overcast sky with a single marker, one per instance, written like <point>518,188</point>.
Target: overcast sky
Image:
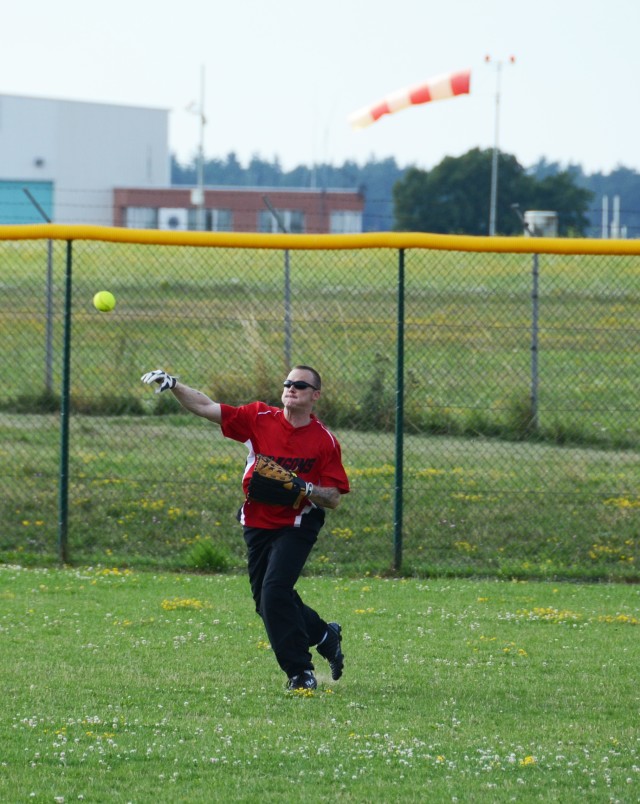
<point>281,77</point>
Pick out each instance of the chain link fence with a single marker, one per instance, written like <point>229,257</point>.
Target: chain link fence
<point>485,393</point>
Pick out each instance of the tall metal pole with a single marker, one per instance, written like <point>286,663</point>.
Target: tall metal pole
<point>493,202</point>
<point>535,332</point>
<point>63,488</point>
<point>535,319</point>
<point>197,194</point>
<point>398,515</point>
<point>494,158</point>
<point>201,222</point>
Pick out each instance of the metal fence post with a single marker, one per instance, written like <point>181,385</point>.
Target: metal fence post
<point>63,497</point>
<point>48,360</point>
<point>48,372</point>
<point>287,286</point>
<point>399,435</point>
<point>535,311</point>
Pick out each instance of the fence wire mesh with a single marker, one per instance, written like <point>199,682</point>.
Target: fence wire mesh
<point>515,375</point>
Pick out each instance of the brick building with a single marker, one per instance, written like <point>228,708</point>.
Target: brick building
<point>106,164</point>
<point>239,209</point>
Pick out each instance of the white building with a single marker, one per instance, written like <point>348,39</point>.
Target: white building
<point>71,155</point>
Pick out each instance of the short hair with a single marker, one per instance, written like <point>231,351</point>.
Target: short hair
<point>316,377</point>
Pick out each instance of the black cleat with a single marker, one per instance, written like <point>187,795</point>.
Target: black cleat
<point>302,681</point>
<point>331,650</point>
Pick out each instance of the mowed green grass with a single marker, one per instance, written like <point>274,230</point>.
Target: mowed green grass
<point>137,687</point>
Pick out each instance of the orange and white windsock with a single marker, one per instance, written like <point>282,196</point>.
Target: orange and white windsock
<point>438,88</point>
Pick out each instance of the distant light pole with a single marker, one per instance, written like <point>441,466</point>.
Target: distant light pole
<point>494,160</point>
<point>197,197</point>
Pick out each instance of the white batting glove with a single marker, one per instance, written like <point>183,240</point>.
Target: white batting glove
<point>166,381</point>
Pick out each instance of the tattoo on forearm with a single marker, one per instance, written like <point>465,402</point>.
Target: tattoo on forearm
<point>325,496</point>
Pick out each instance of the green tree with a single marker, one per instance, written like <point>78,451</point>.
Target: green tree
<point>412,203</point>
<point>454,197</point>
<point>559,193</point>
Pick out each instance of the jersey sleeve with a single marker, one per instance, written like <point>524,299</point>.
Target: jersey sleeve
<point>333,473</point>
<point>238,422</point>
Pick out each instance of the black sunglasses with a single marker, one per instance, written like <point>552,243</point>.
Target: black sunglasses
<point>299,385</point>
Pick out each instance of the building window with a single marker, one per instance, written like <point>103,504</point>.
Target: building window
<point>344,221</point>
<point>215,220</point>
<point>219,220</point>
<point>141,218</point>
<point>293,220</point>
<point>15,205</point>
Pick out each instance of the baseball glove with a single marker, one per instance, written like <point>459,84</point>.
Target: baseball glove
<point>273,484</point>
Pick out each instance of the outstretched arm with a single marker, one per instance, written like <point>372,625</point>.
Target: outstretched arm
<point>190,399</point>
<point>197,402</point>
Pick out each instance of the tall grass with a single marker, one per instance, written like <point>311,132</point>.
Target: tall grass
<point>216,317</point>
<point>489,488</point>
<point>134,687</point>
<point>164,491</point>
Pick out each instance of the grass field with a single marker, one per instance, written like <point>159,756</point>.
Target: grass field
<point>120,684</point>
<point>216,317</point>
<point>149,491</point>
<point>138,687</point>
<point>487,491</point>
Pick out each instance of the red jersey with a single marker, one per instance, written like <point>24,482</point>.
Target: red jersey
<point>312,452</point>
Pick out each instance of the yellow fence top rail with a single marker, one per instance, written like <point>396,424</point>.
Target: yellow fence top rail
<point>372,240</point>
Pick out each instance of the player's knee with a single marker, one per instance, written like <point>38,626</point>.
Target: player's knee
<point>274,594</point>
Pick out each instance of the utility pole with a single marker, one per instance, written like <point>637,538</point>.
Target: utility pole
<point>493,202</point>
<point>197,196</point>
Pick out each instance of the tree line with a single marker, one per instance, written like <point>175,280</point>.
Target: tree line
<point>452,197</point>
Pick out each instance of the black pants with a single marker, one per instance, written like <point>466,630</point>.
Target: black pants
<point>275,561</point>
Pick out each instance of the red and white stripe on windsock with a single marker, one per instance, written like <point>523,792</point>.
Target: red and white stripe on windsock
<point>437,88</point>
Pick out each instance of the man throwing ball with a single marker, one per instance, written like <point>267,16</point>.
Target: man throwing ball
<point>293,473</point>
